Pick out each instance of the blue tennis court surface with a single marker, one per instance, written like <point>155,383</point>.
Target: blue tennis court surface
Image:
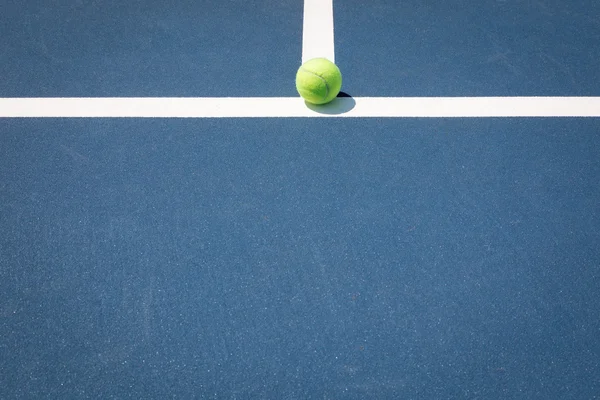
<point>299,258</point>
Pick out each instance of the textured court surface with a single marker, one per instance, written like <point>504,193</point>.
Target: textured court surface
<point>296,258</point>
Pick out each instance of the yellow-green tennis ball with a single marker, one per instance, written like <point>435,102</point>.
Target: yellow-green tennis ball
<point>318,81</point>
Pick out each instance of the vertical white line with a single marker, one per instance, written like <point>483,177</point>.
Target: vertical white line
<point>317,30</point>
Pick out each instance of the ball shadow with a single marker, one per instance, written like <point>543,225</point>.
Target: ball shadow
<point>340,105</point>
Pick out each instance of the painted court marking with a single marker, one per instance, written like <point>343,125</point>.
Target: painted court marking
<point>273,107</point>
<point>317,30</point>
<point>317,41</point>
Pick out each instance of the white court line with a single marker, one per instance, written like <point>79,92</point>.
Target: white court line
<point>317,30</point>
<point>282,107</point>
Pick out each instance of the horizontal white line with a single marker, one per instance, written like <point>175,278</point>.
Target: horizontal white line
<point>282,107</point>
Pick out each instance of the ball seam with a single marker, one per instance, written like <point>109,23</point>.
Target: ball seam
<point>320,77</point>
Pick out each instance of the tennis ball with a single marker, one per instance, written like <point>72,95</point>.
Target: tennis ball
<point>318,81</point>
